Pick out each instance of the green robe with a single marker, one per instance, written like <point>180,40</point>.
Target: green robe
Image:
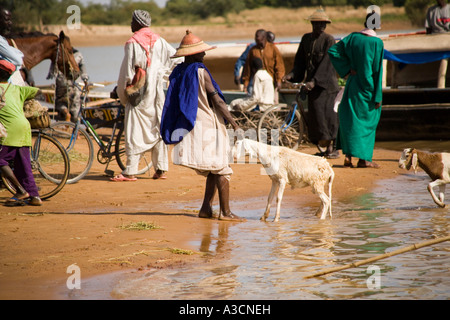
<point>358,117</point>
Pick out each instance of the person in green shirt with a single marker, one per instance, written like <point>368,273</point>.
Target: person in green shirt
<point>360,56</point>
<point>16,145</point>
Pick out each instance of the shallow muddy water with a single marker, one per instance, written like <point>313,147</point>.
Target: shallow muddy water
<point>259,261</point>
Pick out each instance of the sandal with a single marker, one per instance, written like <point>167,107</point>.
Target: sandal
<point>159,174</point>
<point>121,177</point>
<point>319,154</point>
<point>14,202</point>
<point>231,217</point>
<point>333,155</point>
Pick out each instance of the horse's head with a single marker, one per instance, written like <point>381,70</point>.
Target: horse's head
<point>64,57</point>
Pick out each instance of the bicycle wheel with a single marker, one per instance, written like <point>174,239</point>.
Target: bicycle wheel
<point>246,120</point>
<point>50,165</point>
<point>80,150</point>
<point>144,164</point>
<point>277,126</point>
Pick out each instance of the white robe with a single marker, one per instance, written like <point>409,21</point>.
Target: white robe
<point>142,122</point>
<point>263,93</point>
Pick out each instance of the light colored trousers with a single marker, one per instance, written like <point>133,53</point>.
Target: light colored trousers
<point>160,159</point>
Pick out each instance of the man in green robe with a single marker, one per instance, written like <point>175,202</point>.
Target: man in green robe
<point>360,56</point>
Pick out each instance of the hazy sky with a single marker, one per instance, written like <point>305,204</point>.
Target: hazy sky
<point>160,3</point>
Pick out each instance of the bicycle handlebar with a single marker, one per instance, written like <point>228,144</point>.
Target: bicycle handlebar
<point>294,85</point>
<point>91,84</point>
<point>84,86</point>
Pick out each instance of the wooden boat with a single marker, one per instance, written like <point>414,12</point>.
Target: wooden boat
<point>416,97</point>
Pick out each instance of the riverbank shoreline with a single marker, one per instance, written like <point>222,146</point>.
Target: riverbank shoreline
<point>241,27</point>
<point>83,224</point>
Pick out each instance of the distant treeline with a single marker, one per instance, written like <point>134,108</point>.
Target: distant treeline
<point>30,14</point>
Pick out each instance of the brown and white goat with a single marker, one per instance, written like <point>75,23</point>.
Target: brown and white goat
<point>436,165</point>
<point>284,165</point>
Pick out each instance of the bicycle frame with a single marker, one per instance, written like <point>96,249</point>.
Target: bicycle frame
<point>111,144</point>
<point>294,106</point>
<point>105,148</point>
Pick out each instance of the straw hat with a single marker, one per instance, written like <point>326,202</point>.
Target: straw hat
<point>191,44</point>
<point>319,15</point>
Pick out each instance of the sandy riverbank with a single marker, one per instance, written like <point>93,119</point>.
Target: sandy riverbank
<point>239,27</point>
<point>82,224</point>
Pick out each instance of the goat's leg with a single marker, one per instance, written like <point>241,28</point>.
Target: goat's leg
<point>279,198</point>
<point>442,192</point>
<point>433,184</point>
<point>330,187</point>
<point>320,210</point>
<point>273,189</point>
<point>324,205</point>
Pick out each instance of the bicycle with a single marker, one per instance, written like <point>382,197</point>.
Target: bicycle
<point>281,124</point>
<point>77,140</point>
<point>50,164</point>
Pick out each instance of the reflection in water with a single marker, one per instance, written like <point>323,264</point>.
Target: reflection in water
<point>256,260</point>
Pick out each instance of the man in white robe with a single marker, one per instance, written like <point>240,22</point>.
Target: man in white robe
<point>151,53</point>
<point>263,93</point>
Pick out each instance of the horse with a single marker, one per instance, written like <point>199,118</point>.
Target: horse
<point>37,47</point>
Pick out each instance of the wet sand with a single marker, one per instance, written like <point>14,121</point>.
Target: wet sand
<point>82,224</point>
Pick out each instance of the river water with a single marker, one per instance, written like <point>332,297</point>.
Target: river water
<point>103,63</point>
<point>269,261</point>
<point>258,261</point>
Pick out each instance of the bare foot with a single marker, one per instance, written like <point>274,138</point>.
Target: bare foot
<point>230,217</point>
<point>21,196</point>
<point>205,214</point>
<point>367,164</point>
<point>348,162</point>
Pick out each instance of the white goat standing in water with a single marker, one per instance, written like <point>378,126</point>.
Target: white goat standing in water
<point>284,165</point>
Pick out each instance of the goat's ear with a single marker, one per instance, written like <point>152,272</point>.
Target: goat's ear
<point>414,162</point>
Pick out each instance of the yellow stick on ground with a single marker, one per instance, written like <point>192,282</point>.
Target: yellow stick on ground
<point>379,257</point>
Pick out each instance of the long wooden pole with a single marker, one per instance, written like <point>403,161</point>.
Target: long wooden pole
<point>379,257</point>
